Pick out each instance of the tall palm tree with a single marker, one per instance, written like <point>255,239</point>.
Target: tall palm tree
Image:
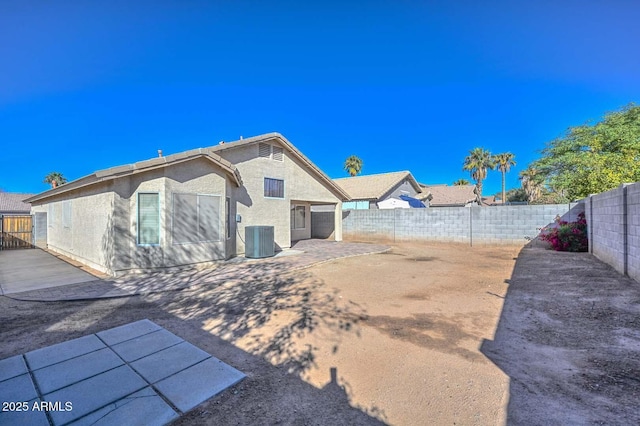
<point>353,165</point>
<point>531,184</point>
<point>478,162</point>
<point>504,162</point>
<point>461,182</point>
<point>55,179</point>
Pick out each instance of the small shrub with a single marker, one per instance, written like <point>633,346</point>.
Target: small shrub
<point>567,236</point>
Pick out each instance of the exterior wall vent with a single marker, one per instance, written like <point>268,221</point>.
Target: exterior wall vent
<point>278,153</point>
<point>259,242</point>
<point>264,150</point>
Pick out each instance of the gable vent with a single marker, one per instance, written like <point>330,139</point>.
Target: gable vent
<point>278,153</point>
<point>264,150</point>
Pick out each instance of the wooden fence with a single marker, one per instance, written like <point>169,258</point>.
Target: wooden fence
<point>16,232</point>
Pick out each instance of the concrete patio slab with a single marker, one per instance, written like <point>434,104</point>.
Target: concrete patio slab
<point>143,408</point>
<point>94,393</point>
<point>127,332</point>
<point>86,381</point>
<point>29,270</point>
<point>24,418</point>
<point>142,346</point>
<point>175,359</point>
<point>196,384</point>
<point>73,370</point>
<point>63,351</point>
<point>17,389</point>
<point>12,367</point>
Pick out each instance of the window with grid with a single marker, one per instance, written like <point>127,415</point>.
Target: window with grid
<point>196,218</point>
<point>148,218</point>
<point>273,188</point>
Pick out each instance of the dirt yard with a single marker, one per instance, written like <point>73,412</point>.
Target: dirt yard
<point>417,335</point>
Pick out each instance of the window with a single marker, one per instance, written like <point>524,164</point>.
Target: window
<point>273,188</point>
<point>273,152</point>
<point>298,217</point>
<point>196,218</point>
<point>148,218</point>
<point>227,218</point>
<point>66,214</point>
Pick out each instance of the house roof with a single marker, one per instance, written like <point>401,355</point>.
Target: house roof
<point>374,187</point>
<point>277,137</point>
<point>139,167</point>
<point>12,202</point>
<point>210,153</point>
<point>457,195</point>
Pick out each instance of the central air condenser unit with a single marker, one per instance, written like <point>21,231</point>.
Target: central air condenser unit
<point>259,242</point>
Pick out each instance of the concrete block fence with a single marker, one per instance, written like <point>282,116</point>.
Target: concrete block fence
<point>613,218</point>
<point>472,225</point>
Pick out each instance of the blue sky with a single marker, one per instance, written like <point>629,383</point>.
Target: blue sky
<point>405,85</point>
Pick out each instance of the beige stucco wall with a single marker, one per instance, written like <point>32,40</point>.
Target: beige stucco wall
<point>255,209</point>
<point>103,234</point>
<point>88,236</point>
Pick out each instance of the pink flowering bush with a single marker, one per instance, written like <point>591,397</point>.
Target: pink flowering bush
<point>567,236</point>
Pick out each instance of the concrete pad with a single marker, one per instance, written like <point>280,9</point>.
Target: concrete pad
<point>196,384</point>
<point>12,367</point>
<point>95,393</point>
<point>142,346</point>
<point>24,418</point>
<point>24,270</point>
<point>143,408</point>
<point>173,360</point>
<point>75,370</point>
<point>17,389</point>
<point>129,331</point>
<point>63,351</point>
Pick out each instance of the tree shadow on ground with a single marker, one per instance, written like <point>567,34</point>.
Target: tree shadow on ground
<point>568,339</point>
<point>269,394</point>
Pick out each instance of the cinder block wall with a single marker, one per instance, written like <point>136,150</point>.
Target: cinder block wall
<point>473,225</point>
<point>613,218</point>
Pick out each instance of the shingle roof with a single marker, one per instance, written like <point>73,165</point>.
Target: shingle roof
<point>374,187</point>
<point>457,195</point>
<point>210,154</point>
<point>12,202</point>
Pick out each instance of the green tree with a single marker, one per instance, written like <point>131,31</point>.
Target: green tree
<point>478,162</point>
<point>55,179</point>
<point>461,182</point>
<point>531,184</point>
<point>353,165</point>
<point>504,162</point>
<point>593,158</point>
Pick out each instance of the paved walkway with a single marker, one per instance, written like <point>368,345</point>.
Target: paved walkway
<point>303,254</point>
<point>138,373</point>
<point>35,269</point>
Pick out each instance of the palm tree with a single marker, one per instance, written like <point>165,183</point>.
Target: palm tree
<point>353,165</point>
<point>478,162</point>
<point>531,184</point>
<point>461,182</point>
<point>55,179</point>
<point>504,162</point>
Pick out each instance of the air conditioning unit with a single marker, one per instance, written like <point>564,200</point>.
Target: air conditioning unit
<point>259,242</point>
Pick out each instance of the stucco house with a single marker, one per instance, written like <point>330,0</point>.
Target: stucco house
<point>11,203</point>
<point>450,196</point>
<point>186,208</point>
<point>367,191</point>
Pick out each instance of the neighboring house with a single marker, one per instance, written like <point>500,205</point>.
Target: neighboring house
<point>187,208</point>
<point>12,203</point>
<point>402,202</point>
<point>369,190</point>
<point>450,196</point>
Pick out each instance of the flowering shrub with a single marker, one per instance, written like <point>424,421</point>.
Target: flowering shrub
<point>567,236</point>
